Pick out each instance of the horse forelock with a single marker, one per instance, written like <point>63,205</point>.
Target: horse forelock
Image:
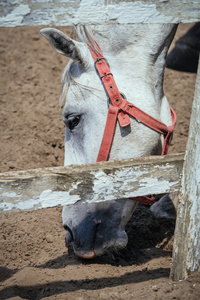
<point>83,34</point>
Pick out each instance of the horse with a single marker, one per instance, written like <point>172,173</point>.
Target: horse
<point>136,56</point>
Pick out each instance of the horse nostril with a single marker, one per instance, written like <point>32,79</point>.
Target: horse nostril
<point>68,239</point>
<point>69,235</point>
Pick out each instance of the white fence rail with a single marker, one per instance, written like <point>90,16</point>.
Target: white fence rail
<point>40,188</point>
<point>60,13</point>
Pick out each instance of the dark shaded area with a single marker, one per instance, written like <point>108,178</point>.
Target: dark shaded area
<point>144,232</point>
<point>59,287</point>
<point>6,273</point>
<point>185,55</point>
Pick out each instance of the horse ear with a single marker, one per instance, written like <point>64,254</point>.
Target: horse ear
<point>62,43</point>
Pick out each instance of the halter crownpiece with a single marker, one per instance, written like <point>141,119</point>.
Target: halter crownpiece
<point>121,109</point>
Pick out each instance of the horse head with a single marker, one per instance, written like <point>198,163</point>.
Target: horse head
<point>136,55</point>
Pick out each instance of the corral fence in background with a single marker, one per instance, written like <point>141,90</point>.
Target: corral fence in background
<point>47,187</point>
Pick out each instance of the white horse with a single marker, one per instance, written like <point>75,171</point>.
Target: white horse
<point>136,55</point>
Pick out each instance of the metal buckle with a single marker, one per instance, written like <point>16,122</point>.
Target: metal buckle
<point>99,59</point>
<point>106,75</point>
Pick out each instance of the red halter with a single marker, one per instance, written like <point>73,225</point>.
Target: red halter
<point>121,109</point>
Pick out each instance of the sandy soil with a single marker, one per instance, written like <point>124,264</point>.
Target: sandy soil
<point>34,263</point>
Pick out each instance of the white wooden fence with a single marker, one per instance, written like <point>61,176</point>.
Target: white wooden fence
<point>40,188</point>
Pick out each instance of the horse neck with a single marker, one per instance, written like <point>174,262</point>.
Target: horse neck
<point>138,51</point>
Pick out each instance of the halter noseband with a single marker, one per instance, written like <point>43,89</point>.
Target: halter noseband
<point>121,109</point>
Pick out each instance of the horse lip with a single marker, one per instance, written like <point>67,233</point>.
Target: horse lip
<point>85,255</point>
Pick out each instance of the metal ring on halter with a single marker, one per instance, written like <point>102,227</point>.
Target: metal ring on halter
<point>123,96</point>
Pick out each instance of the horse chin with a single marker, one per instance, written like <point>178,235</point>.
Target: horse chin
<point>108,246</point>
<point>99,246</point>
<point>114,244</point>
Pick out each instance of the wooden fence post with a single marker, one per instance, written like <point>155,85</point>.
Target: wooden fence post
<point>186,252</point>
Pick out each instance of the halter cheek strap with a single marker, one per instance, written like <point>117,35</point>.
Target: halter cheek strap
<point>139,115</point>
<point>120,109</point>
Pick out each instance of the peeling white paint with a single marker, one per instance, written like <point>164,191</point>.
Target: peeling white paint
<point>10,195</point>
<point>40,12</point>
<point>122,13</point>
<point>21,205</point>
<point>145,186</point>
<point>48,196</point>
<point>134,183</point>
<point>16,16</point>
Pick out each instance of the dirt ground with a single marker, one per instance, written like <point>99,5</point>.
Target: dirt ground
<point>34,263</point>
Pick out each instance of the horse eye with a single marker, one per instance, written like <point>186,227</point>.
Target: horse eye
<point>72,121</point>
